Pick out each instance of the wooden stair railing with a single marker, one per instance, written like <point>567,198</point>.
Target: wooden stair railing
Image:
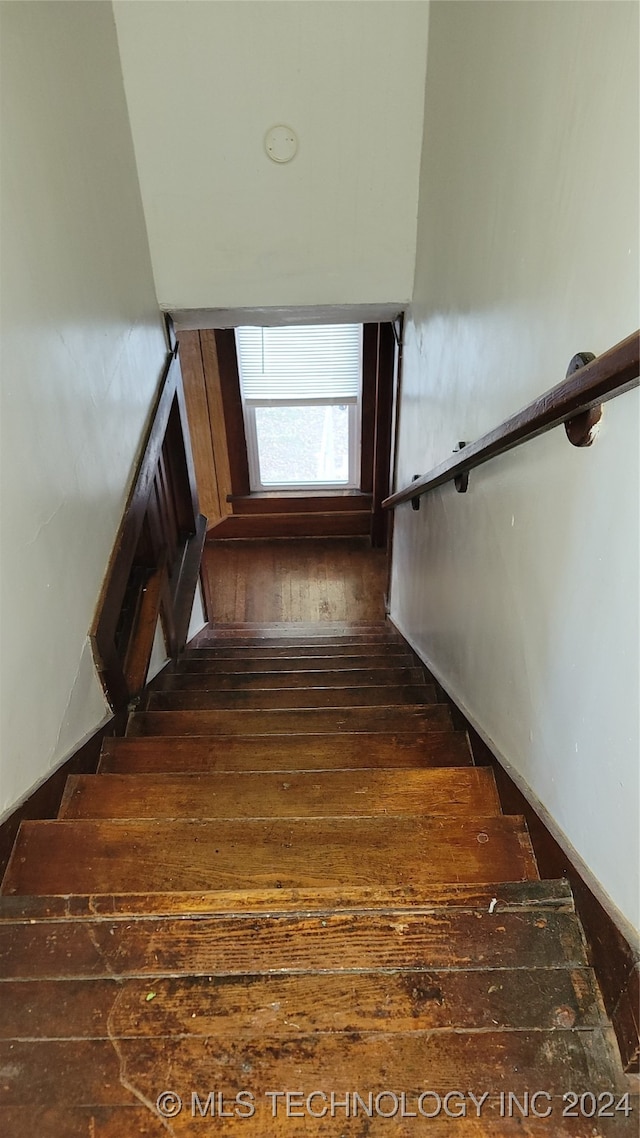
<point>586,387</point>
<point>289,877</point>
<point>155,564</point>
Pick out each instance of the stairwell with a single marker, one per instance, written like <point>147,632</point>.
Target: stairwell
<point>289,904</point>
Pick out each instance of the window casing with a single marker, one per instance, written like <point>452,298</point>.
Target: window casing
<point>301,391</point>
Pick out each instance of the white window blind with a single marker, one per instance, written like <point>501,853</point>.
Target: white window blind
<point>309,362</point>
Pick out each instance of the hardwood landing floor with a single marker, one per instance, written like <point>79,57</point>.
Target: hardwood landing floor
<point>311,579</point>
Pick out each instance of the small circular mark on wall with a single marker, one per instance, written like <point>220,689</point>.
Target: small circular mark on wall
<point>281,143</point>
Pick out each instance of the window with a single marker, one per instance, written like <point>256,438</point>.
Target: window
<point>301,393</point>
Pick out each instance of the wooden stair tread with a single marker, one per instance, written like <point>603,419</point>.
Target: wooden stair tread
<point>199,660</point>
<point>450,790</point>
<point>89,1071</point>
<point>260,1005</point>
<point>97,1120</point>
<point>404,717</point>
<point>497,897</point>
<point>200,680</point>
<point>202,699</point>
<point>195,753</point>
<point>149,946</point>
<point>104,856</point>
<point>290,874</point>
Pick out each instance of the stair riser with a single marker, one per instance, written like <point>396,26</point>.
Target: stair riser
<point>202,700</point>
<point>202,754</point>
<point>434,717</point>
<point>250,681</point>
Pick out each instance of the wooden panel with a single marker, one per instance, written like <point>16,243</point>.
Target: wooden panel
<point>216,419</point>
<point>336,524</point>
<point>454,791</point>
<point>283,697</point>
<point>292,752</point>
<point>249,681</point>
<point>229,381</point>
<point>110,857</point>
<point>195,392</point>
<point>383,427</point>
<point>431,717</point>
<point>224,946</point>
<point>370,335</point>
<point>275,1006</point>
<point>301,502</point>
<point>141,645</point>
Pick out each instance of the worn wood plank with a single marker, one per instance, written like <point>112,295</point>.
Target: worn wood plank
<point>94,1071</point>
<point>206,699</point>
<point>250,681</point>
<point>496,897</point>
<point>256,1006</point>
<point>149,946</point>
<point>100,856</point>
<point>146,754</point>
<point>455,791</point>
<point>430,717</point>
<point>116,1121</point>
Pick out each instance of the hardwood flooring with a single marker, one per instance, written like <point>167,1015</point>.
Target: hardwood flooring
<point>298,580</point>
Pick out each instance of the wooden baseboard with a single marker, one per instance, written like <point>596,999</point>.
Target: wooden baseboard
<point>614,949</point>
<point>44,801</point>
<point>339,524</point>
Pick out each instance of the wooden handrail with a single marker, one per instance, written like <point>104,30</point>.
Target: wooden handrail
<point>607,376</point>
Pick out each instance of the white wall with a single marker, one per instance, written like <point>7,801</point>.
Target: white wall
<point>205,79</point>
<point>82,350</point>
<point>523,593</point>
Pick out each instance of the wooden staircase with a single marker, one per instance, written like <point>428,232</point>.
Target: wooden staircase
<point>290,877</point>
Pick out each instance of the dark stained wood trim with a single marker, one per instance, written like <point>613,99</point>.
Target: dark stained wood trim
<point>232,403</point>
<point>44,801</point>
<point>370,336</point>
<point>157,533</point>
<point>382,433</point>
<point>301,502</point>
<point>187,584</point>
<point>338,523</point>
<point>615,960</point>
<point>609,375</point>
<point>137,662</point>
